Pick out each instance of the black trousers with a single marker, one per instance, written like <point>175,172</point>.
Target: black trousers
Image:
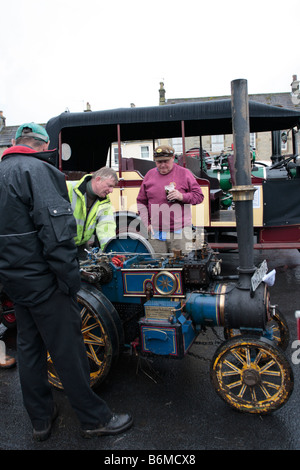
<point>55,326</point>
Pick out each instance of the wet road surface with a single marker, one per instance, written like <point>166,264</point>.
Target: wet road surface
<point>173,403</point>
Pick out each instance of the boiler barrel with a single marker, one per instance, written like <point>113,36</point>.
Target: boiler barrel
<point>229,306</point>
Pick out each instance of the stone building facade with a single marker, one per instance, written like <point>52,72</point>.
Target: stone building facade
<point>262,142</point>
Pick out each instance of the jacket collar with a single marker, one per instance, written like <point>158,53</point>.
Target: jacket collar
<point>49,156</point>
<point>81,186</point>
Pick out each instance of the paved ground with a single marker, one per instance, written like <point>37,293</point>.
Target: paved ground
<point>173,403</point>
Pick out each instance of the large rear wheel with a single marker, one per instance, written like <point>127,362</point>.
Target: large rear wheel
<point>100,334</point>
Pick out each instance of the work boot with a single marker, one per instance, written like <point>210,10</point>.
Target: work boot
<point>116,425</point>
<point>42,431</point>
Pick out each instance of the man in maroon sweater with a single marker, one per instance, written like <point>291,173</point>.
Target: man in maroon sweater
<point>164,202</point>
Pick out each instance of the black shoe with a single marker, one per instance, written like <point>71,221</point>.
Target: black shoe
<point>41,433</point>
<point>116,425</point>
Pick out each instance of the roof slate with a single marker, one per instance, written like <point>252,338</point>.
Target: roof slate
<point>8,133</point>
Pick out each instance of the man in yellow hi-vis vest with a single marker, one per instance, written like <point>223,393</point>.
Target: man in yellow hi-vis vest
<point>92,208</point>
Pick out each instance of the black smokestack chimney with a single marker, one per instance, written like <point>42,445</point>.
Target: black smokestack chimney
<point>243,191</point>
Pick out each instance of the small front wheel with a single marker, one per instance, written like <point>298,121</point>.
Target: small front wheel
<point>251,375</point>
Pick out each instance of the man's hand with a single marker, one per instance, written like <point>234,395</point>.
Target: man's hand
<point>175,195</point>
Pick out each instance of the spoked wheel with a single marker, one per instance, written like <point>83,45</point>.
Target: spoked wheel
<point>252,375</point>
<point>100,336</point>
<point>278,329</point>
<point>109,309</point>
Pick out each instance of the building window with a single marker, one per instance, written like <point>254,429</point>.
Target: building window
<point>116,156</point>
<point>217,143</point>
<point>284,138</point>
<point>145,151</point>
<point>177,145</point>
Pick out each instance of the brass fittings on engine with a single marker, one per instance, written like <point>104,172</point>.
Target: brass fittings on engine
<point>243,193</point>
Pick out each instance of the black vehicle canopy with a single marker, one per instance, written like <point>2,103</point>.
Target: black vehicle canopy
<point>90,134</point>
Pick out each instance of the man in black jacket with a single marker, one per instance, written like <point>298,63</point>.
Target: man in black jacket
<point>40,273</point>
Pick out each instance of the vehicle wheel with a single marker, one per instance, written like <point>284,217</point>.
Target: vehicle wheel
<point>8,317</point>
<point>277,331</point>
<point>110,309</point>
<point>100,337</point>
<point>251,375</point>
<point>128,242</point>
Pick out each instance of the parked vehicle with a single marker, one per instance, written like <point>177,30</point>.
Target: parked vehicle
<point>134,300</point>
<point>158,305</point>
<point>206,159</point>
<point>276,207</point>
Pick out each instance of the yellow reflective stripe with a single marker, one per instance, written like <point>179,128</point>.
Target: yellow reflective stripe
<point>79,222</point>
<point>106,218</point>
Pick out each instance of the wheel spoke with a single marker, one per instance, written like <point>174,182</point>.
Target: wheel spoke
<point>275,333</point>
<point>93,356</point>
<point>82,312</point>
<point>271,385</point>
<point>232,366</point>
<point>242,391</point>
<point>265,369</point>
<point>235,384</point>
<point>258,358</point>
<point>91,327</point>
<point>238,356</point>
<point>265,391</point>
<point>95,340</point>
<point>248,357</point>
<point>253,395</point>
